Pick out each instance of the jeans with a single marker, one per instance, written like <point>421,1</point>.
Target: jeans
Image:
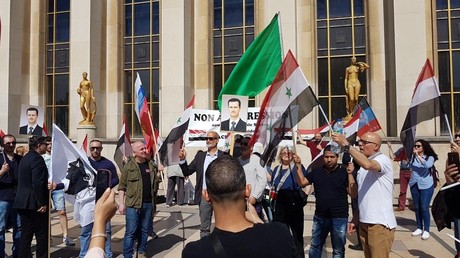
<point>457,233</point>
<point>138,226</point>
<point>321,228</point>
<point>5,212</point>
<point>85,238</point>
<point>422,200</point>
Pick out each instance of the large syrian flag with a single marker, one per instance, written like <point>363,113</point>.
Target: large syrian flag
<point>289,100</point>
<point>350,130</point>
<point>65,152</point>
<point>425,105</point>
<point>123,148</point>
<point>169,151</point>
<point>258,66</point>
<point>368,121</point>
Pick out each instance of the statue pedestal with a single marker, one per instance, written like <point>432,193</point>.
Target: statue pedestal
<point>83,130</point>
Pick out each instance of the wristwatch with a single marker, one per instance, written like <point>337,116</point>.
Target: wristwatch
<point>347,147</point>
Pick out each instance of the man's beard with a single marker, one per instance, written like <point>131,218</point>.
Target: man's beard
<point>211,145</point>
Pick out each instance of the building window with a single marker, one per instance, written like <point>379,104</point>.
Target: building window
<point>141,48</point>
<point>448,32</point>
<point>341,35</point>
<point>233,32</point>
<point>57,65</point>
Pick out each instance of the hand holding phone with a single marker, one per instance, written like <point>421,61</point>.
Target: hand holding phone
<point>453,158</point>
<point>103,181</point>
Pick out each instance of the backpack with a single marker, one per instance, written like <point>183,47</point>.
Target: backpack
<point>78,178</point>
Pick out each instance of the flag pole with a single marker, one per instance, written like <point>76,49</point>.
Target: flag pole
<point>156,151</point>
<point>232,142</point>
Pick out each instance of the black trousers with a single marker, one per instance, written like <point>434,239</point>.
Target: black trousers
<point>294,219</point>
<point>33,222</point>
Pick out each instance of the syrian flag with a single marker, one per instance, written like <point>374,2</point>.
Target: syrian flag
<point>350,130</point>
<point>425,105</point>
<point>2,134</point>
<point>123,148</point>
<point>65,152</point>
<point>84,144</point>
<point>289,100</point>
<point>143,114</point>
<point>308,134</point>
<point>169,151</point>
<point>44,130</point>
<point>368,121</point>
<point>228,142</point>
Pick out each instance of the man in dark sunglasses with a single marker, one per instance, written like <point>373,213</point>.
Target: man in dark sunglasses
<point>199,165</point>
<point>9,171</point>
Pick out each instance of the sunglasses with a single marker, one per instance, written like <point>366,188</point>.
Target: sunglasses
<point>95,148</point>
<point>210,138</point>
<point>418,146</point>
<point>364,142</point>
<point>10,143</point>
<point>456,136</point>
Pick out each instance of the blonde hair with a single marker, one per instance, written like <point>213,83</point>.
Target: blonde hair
<point>21,150</point>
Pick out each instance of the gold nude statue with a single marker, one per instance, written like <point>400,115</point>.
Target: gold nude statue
<point>352,84</point>
<point>86,92</point>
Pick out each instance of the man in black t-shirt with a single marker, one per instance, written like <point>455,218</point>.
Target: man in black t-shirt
<point>233,235</point>
<point>332,185</point>
<point>136,191</point>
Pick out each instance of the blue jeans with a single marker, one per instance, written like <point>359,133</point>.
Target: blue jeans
<point>457,233</point>
<point>85,238</point>
<point>138,227</point>
<point>321,228</point>
<point>5,212</point>
<point>422,200</point>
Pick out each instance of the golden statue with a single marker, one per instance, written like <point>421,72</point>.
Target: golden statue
<point>86,92</point>
<point>352,84</point>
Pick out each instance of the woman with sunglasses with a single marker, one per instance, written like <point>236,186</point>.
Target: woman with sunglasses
<point>285,195</point>
<point>422,185</point>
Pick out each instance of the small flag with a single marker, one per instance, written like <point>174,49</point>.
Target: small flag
<point>169,150</point>
<point>84,144</point>
<point>44,130</point>
<point>368,121</point>
<point>123,148</point>
<point>308,134</point>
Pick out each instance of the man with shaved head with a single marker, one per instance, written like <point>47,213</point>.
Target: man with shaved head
<point>137,200</point>
<point>377,222</point>
<point>199,165</point>
<point>234,236</point>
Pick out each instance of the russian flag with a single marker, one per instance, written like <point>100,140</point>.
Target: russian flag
<point>143,114</point>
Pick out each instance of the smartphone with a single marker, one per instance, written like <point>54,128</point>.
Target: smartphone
<point>453,158</point>
<point>103,181</point>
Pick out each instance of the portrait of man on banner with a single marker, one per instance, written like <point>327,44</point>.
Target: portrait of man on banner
<point>31,120</point>
<point>234,113</point>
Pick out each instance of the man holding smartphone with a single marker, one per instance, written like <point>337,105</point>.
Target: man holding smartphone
<point>99,163</point>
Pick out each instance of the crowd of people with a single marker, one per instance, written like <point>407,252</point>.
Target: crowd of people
<point>246,199</point>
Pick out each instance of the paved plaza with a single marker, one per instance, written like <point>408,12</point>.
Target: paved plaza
<point>178,225</point>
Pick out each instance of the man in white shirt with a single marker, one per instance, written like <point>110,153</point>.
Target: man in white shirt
<point>256,175</point>
<point>375,194</point>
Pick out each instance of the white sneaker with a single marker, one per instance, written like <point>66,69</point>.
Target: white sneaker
<point>425,235</point>
<point>417,232</point>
